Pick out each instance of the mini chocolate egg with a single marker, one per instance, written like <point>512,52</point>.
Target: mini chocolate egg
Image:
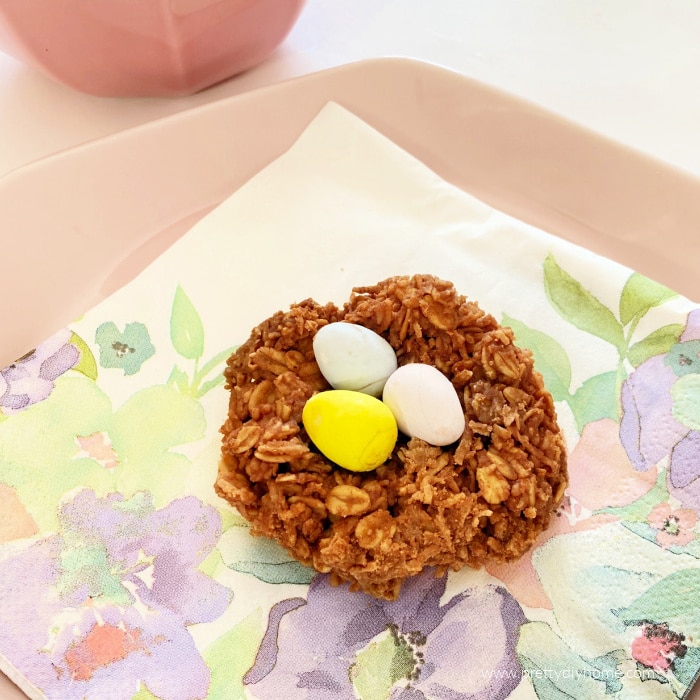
<point>354,430</point>
<point>425,404</point>
<point>354,357</point>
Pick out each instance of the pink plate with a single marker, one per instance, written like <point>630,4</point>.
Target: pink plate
<point>78,225</point>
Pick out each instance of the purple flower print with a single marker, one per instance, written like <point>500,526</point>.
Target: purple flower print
<point>104,606</point>
<point>31,378</point>
<point>652,426</point>
<point>342,645</point>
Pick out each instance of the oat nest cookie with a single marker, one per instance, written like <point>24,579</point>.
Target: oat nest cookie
<point>484,498</point>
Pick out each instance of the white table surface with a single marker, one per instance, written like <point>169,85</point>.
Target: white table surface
<point>628,69</point>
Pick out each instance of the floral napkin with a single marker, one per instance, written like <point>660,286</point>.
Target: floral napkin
<point>123,576</point>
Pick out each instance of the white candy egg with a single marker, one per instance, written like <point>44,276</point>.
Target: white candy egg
<point>425,404</point>
<point>354,357</point>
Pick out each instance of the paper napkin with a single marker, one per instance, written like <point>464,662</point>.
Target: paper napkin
<point>123,576</point>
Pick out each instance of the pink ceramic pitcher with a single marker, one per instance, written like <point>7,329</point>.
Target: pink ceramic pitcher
<point>144,47</point>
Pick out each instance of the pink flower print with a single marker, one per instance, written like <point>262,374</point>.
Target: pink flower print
<point>657,647</point>
<point>98,447</point>
<point>674,526</point>
<point>102,646</point>
<point>600,471</point>
<point>16,522</point>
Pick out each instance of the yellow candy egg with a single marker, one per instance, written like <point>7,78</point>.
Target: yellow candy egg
<point>355,430</point>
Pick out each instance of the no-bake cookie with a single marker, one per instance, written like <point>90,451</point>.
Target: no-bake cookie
<point>486,497</point>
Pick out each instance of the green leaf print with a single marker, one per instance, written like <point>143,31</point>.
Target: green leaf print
<point>686,667</point>
<point>596,398</point>
<point>207,386</point>
<point>379,665</point>
<point>639,295</point>
<point>579,307</point>
<point>261,557</point>
<point>599,396</point>
<point>144,432</point>
<point>230,657</point>
<point>657,342</point>
<point>144,694</point>
<point>179,378</point>
<point>87,364</point>
<point>186,329</point>
<point>76,407</point>
<point>673,600</point>
<point>187,336</point>
<point>551,360</point>
<point>556,671</point>
<point>92,445</point>
<point>199,387</point>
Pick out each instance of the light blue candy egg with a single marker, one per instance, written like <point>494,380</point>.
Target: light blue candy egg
<point>353,357</point>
